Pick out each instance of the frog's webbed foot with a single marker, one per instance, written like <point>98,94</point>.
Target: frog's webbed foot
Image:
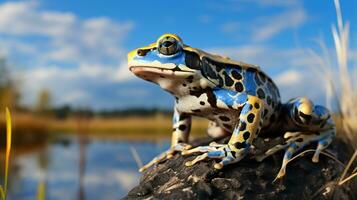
<point>166,155</point>
<point>220,152</point>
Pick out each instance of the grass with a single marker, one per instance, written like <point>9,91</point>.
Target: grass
<point>338,83</point>
<point>3,189</point>
<point>343,92</point>
<point>41,191</point>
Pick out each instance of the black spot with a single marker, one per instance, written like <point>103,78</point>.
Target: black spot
<point>306,117</point>
<point>142,52</point>
<point>176,68</point>
<point>250,117</point>
<point>195,88</point>
<point>196,93</point>
<point>182,127</point>
<point>250,107</point>
<point>184,85</point>
<point>180,141</point>
<point>228,81</point>
<point>224,118</point>
<point>251,70</point>
<point>196,110</point>
<point>296,116</point>
<point>227,126</point>
<point>256,105</point>
<point>183,117</point>
<point>219,66</point>
<point>239,87</point>
<point>233,154</point>
<point>240,145</point>
<point>242,126</point>
<point>202,103</point>
<point>261,93</point>
<point>192,60</point>
<point>207,70</point>
<point>211,98</point>
<point>323,123</point>
<point>190,79</point>
<point>265,112</point>
<point>220,81</point>
<point>257,79</point>
<point>236,75</point>
<point>299,140</point>
<point>272,119</point>
<point>161,76</point>
<point>262,77</point>
<point>174,129</point>
<point>246,135</point>
<point>269,100</point>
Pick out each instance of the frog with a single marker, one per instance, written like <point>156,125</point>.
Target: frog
<point>239,99</point>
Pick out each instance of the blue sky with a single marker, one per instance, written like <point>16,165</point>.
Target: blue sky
<point>77,49</point>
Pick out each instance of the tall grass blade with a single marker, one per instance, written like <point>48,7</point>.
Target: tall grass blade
<point>7,152</point>
<point>2,193</point>
<point>136,157</point>
<point>41,191</point>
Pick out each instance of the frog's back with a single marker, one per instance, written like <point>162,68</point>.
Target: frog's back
<point>243,78</point>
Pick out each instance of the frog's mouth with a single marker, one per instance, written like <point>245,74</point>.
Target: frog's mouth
<point>149,70</point>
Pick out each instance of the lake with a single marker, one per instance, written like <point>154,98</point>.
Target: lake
<point>70,166</point>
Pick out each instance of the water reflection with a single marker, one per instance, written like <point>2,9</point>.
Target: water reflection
<point>108,168</point>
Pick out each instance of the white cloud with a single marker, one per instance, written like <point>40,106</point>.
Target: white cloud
<point>270,26</point>
<point>288,78</point>
<point>273,3</point>
<point>230,27</point>
<point>69,50</point>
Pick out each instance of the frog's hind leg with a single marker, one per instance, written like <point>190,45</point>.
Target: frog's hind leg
<point>297,140</point>
<point>245,131</point>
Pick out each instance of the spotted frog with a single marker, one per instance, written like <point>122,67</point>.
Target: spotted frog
<point>238,98</point>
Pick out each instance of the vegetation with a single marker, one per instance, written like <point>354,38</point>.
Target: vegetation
<point>339,90</point>
<point>3,189</point>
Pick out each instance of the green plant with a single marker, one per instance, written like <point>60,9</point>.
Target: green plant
<point>3,189</point>
<point>41,191</point>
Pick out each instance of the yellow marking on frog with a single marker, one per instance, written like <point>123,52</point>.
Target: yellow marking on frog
<point>252,127</point>
<point>305,106</point>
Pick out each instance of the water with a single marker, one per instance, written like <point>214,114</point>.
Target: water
<point>109,169</point>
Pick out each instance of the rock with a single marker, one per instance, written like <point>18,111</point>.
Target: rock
<point>248,179</point>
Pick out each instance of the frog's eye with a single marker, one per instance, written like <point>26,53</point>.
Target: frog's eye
<point>168,46</point>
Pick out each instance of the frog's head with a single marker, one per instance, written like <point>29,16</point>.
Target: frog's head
<point>167,58</point>
<point>168,62</point>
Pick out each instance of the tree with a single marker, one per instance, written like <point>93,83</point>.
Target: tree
<point>9,93</point>
<point>43,102</point>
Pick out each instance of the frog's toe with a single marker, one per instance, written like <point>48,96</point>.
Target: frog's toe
<point>223,153</point>
<point>225,161</point>
<point>156,160</point>
<point>196,160</point>
<point>322,144</point>
<point>180,147</point>
<point>200,149</point>
<point>208,152</point>
<point>280,175</point>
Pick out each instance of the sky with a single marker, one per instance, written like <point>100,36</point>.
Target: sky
<point>77,49</point>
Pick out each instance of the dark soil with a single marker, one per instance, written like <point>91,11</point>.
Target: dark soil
<point>248,179</point>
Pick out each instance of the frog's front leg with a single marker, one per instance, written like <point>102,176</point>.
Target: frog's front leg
<point>180,133</point>
<point>245,131</point>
